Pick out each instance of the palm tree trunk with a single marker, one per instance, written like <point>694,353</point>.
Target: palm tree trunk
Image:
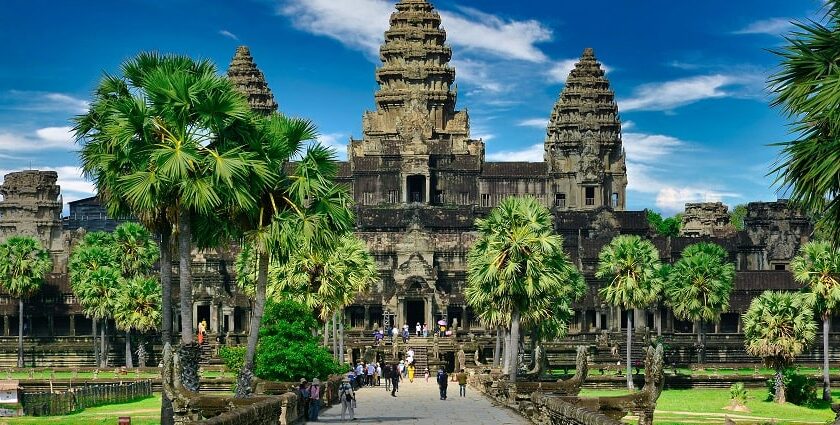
<point>497,351</point>
<point>243,384</point>
<point>514,344</point>
<point>780,387</point>
<point>326,333</point>
<point>185,274</point>
<point>701,346</point>
<point>95,345</point>
<point>630,349</point>
<point>341,337</point>
<point>166,284</point>
<point>103,349</point>
<point>505,351</point>
<point>335,335</point>
<point>128,362</point>
<point>20,333</point>
<point>826,376</point>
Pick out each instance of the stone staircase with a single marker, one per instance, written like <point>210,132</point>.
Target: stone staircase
<point>421,358</point>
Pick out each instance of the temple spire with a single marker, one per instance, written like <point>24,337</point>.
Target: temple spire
<point>248,79</point>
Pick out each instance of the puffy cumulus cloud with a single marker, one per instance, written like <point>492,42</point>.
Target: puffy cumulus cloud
<point>47,138</point>
<point>508,39</point>
<point>533,153</point>
<point>673,199</point>
<point>772,26</point>
<point>668,95</point>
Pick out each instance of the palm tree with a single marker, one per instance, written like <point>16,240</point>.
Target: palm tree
<point>699,286</point>
<point>97,294</point>
<point>93,252</point>
<point>818,267</point>
<point>137,307</point>
<point>167,142</point>
<point>138,252</point>
<point>631,264</point>
<point>778,327</point>
<point>519,262</point>
<point>23,266</point>
<point>805,89</point>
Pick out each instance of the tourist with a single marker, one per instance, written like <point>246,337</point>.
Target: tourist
<point>443,382</point>
<point>360,375</point>
<point>377,336</point>
<point>314,400</point>
<point>405,335</point>
<point>462,383</point>
<point>395,380</point>
<point>425,331</point>
<point>202,329</point>
<point>303,388</point>
<point>426,374</point>
<point>418,329</point>
<point>371,369</point>
<point>394,334</point>
<point>386,375</point>
<point>378,374</point>
<point>348,400</point>
<point>401,368</point>
<point>411,372</point>
<point>352,377</point>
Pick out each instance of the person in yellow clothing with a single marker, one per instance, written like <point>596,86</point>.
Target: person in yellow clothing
<point>411,372</point>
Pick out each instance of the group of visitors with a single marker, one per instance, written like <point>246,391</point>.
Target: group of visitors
<point>365,374</point>
<point>405,333</point>
<point>310,395</point>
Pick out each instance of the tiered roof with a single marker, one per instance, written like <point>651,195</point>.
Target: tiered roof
<point>245,75</point>
<point>587,103</point>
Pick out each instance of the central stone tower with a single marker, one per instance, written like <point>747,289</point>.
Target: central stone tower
<point>416,147</point>
<point>583,148</point>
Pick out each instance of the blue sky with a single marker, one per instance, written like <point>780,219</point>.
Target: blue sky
<point>689,79</point>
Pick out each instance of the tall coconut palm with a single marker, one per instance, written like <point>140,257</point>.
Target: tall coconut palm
<point>778,327</point>
<point>23,266</point>
<point>699,286</point>
<point>805,89</point>
<point>137,307</point>
<point>817,266</point>
<point>631,266</point>
<point>519,262</point>
<point>94,251</point>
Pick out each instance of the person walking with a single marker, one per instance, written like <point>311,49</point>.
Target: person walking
<point>314,400</point>
<point>418,329</point>
<point>401,368</point>
<point>371,370</point>
<point>426,374</point>
<point>360,375</point>
<point>386,375</point>
<point>303,388</point>
<point>378,375</point>
<point>443,382</point>
<point>425,331</point>
<point>411,373</point>
<point>462,383</point>
<point>395,381</point>
<point>348,400</point>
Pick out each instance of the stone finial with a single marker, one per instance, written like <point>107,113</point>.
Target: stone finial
<point>249,80</point>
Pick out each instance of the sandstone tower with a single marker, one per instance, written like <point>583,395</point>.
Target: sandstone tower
<point>245,75</point>
<point>583,146</point>
<point>416,146</point>
<point>31,206</point>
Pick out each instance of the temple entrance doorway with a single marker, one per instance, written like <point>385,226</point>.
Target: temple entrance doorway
<point>415,311</point>
<point>416,188</point>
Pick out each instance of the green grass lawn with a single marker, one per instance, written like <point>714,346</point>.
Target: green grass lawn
<point>142,412</point>
<point>700,406</point>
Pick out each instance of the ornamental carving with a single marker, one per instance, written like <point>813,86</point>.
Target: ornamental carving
<point>591,166</point>
<point>414,124</point>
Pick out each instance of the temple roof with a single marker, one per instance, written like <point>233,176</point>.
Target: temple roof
<point>248,79</point>
<point>513,169</point>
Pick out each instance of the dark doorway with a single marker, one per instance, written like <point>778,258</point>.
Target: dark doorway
<point>203,315</point>
<point>590,195</point>
<point>416,188</point>
<point>415,311</point>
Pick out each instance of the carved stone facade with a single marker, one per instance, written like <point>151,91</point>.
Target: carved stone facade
<point>31,206</point>
<point>706,219</point>
<point>243,72</point>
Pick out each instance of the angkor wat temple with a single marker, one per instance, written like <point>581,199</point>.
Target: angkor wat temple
<point>419,181</point>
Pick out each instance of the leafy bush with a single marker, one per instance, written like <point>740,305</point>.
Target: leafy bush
<point>233,357</point>
<point>738,393</point>
<point>288,349</point>
<point>799,389</point>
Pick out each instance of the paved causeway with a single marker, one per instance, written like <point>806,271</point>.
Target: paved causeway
<point>419,403</point>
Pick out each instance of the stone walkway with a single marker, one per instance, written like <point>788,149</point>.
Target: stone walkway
<point>419,403</point>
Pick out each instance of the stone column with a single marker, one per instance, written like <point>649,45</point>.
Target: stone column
<point>51,324</point>
<point>427,303</point>
<point>717,327</point>
<point>213,326</point>
<point>400,319</point>
<point>427,187</point>
<point>72,325</point>
<point>739,323</point>
<point>639,319</point>
<point>657,320</point>
<point>464,323</point>
<point>598,319</point>
<point>5,325</point>
<point>366,324</point>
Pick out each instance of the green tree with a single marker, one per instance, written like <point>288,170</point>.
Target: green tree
<point>817,266</point>
<point>778,327</point>
<point>168,141</point>
<point>736,216</point>
<point>137,307</point>
<point>664,226</point>
<point>631,266</point>
<point>518,262</point>
<point>699,286</point>
<point>805,88</point>
<point>23,266</point>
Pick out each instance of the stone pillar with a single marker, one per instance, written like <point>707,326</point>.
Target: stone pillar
<point>639,319</point>
<point>657,320</point>
<point>400,319</point>
<point>51,324</point>
<point>427,186</point>
<point>739,323</point>
<point>72,325</point>
<point>367,318</point>
<point>427,303</point>
<point>464,324</point>
<point>5,325</point>
<point>717,327</point>
<point>598,319</point>
<point>213,326</point>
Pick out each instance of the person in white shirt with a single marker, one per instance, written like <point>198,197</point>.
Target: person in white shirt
<point>348,399</point>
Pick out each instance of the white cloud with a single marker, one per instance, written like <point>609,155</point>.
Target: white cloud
<point>336,141</point>
<point>534,122</point>
<point>669,95</point>
<point>673,199</point>
<point>627,125</point>
<point>228,34</point>
<point>509,39</point>
<point>560,70</point>
<point>533,153</point>
<point>649,148</point>
<point>38,101</point>
<point>47,138</point>
<point>772,26</point>
<point>478,74</point>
